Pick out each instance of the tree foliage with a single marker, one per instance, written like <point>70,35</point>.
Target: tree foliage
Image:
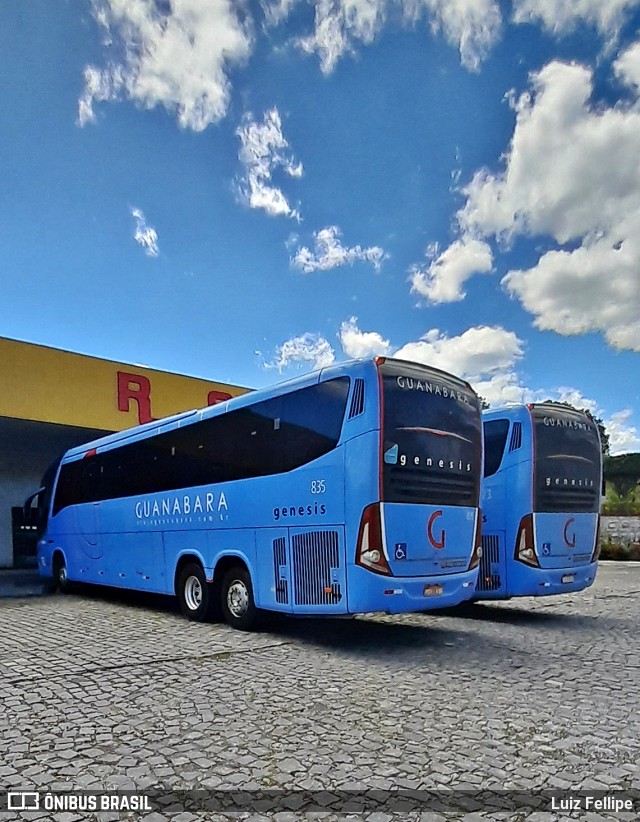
<point>623,473</point>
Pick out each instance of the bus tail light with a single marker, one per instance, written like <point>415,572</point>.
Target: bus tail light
<point>596,545</point>
<point>525,543</point>
<point>370,550</point>
<point>477,543</point>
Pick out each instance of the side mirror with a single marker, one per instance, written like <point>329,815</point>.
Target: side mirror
<point>27,508</point>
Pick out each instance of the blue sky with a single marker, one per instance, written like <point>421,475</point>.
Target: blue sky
<point>245,191</point>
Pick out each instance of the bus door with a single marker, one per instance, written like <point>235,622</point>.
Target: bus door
<point>87,523</point>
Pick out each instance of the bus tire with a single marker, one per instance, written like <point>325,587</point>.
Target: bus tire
<point>195,593</point>
<point>237,602</point>
<point>60,578</point>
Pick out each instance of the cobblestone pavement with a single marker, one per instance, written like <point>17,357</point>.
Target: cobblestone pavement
<point>107,691</point>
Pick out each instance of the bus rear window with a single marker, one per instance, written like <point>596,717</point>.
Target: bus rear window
<point>567,460</point>
<point>432,440</point>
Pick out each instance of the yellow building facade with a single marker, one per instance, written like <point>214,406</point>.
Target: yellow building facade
<point>51,400</point>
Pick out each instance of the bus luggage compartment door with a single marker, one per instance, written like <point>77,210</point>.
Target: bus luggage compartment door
<point>272,582</point>
<point>318,575</point>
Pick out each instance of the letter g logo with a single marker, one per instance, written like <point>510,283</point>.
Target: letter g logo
<point>437,543</point>
<point>569,540</point>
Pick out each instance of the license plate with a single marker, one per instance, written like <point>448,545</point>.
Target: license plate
<point>568,578</point>
<point>432,590</point>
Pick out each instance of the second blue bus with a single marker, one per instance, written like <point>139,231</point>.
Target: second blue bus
<point>540,501</point>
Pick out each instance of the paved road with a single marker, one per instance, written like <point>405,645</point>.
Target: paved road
<point>104,691</point>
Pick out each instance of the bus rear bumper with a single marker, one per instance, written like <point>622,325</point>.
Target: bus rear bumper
<point>549,581</point>
<point>370,592</point>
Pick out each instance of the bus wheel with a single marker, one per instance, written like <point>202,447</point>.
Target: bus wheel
<point>238,606</point>
<point>194,593</point>
<point>60,578</point>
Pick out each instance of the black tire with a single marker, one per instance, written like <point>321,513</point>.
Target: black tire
<point>237,602</point>
<point>195,594</point>
<point>60,578</point>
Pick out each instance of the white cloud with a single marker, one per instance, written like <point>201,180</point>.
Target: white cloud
<point>145,235</point>
<point>338,23</point>
<point>356,343</point>
<point>471,26</point>
<point>328,252</point>
<point>627,67</point>
<point>574,397</point>
<point>478,352</point>
<point>305,349</point>
<point>623,436</point>
<point>486,356</point>
<point>568,172</point>
<point>265,149</point>
<point>503,389</point>
<point>100,85</point>
<point>177,56</point>
<point>571,174</point>
<point>562,16</point>
<point>447,272</point>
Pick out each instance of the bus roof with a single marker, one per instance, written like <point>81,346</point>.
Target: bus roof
<point>514,410</point>
<point>243,400</point>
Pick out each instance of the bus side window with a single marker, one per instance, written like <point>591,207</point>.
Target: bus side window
<point>311,422</point>
<point>69,490</point>
<point>495,439</point>
<point>270,437</point>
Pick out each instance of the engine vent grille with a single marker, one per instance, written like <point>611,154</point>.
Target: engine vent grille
<point>488,581</point>
<point>516,436</point>
<point>357,399</point>
<point>315,557</point>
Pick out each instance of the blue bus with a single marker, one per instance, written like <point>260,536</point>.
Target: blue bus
<point>352,489</point>
<point>540,501</point>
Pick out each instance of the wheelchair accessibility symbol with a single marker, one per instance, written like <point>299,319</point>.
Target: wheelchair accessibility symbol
<point>401,550</point>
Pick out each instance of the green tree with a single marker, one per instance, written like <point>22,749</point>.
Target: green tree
<point>623,474</point>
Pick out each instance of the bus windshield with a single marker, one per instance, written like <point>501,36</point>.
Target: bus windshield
<point>567,461</point>
<point>432,440</point>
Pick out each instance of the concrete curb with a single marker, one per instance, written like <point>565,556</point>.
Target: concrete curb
<point>21,583</point>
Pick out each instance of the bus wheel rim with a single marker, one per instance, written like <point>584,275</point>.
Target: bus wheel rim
<point>62,573</point>
<point>238,598</point>
<point>193,593</point>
